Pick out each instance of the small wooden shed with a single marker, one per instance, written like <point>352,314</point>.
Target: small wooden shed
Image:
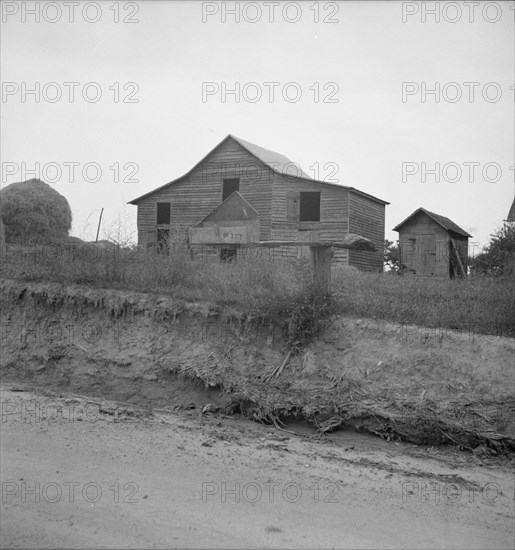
<point>431,245</point>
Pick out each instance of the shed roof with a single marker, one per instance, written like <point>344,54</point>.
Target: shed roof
<point>446,223</point>
<point>275,161</point>
<point>511,213</point>
<point>234,208</point>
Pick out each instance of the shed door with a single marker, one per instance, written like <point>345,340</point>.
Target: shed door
<point>425,255</point>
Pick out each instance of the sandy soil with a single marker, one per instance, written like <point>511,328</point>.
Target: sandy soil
<point>417,384</point>
<point>82,473</point>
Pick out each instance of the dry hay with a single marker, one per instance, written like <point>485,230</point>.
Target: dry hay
<point>34,212</point>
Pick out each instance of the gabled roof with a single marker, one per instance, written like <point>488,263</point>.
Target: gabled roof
<point>234,208</point>
<point>446,223</point>
<point>275,161</point>
<point>511,213</point>
<point>283,165</point>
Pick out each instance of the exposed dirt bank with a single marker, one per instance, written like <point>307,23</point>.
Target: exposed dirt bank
<point>421,385</point>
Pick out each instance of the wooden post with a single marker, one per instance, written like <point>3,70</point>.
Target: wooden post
<point>320,260</point>
<point>462,271</point>
<point>99,222</point>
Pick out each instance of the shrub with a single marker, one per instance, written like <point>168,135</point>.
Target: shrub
<point>33,212</point>
<point>498,257</point>
<point>391,257</point>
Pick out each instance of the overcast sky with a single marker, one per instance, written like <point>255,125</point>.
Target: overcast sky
<point>352,91</point>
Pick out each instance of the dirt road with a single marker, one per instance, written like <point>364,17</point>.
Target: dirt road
<point>78,473</point>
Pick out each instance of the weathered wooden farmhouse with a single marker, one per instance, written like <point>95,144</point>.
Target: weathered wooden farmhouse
<point>291,205</point>
<point>431,245</point>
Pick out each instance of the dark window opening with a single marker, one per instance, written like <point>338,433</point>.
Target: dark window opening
<point>163,241</point>
<point>163,213</point>
<point>228,254</point>
<point>229,187</point>
<point>309,206</point>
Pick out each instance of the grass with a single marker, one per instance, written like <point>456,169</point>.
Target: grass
<point>248,284</point>
<point>480,304</point>
<point>416,392</point>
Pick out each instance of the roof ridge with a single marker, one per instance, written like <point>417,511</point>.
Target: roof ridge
<point>266,156</point>
<point>444,221</point>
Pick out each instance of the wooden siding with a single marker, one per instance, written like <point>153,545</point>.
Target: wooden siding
<point>273,196</point>
<point>413,245</point>
<point>194,196</point>
<point>333,224</point>
<point>421,238</point>
<point>367,218</point>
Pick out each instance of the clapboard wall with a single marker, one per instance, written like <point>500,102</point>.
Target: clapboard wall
<point>343,210</point>
<point>420,238</point>
<point>334,207</point>
<point>276,198</point>
<point>367,218</point>
<point>195,195</point>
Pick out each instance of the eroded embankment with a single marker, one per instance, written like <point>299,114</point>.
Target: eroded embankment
<point>422,385</point>
<point>134,347</point>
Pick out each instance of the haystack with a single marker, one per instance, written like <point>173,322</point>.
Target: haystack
<point>34,212</point>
